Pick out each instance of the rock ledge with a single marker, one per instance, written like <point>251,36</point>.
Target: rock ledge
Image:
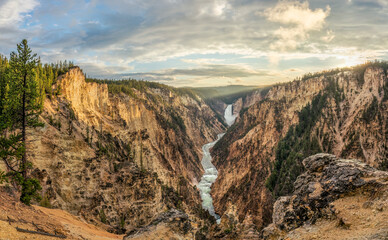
<point>327,179</point>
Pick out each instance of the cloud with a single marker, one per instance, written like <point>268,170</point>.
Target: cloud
<point>14,11</point>
<point>204,61</point>
<point>299,20</point>
<point>328,37</point>
<point>294,70</point>
<point>102,70</point>
<point>298,14</point>
<point>220,70</point>
<point>182,41</point>
<point>370,3</point>
<point>234,72</point>
<point>14,16</point>
<point>216,8</point>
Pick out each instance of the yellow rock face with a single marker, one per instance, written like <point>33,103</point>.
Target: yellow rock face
<point>119,154</point>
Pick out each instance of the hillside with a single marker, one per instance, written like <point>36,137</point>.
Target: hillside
<point>343,112</point>
<point>40,220</point>
<point>120,159</point>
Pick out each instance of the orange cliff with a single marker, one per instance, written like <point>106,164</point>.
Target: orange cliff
<point>119,161</point>
<point>245,156</point>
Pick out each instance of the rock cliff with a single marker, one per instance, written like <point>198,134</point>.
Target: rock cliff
<point>345,195</point>
<point>343,112</point>
<point>120,160</point>
<point>127,158</point>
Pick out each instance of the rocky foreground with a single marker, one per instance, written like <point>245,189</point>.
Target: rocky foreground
<point>19,221</point>
<point>334,199</point>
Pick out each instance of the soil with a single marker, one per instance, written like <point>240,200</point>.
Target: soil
<point>15,214</point>
<point>357,218</point>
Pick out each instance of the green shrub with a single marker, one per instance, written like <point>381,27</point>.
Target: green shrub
<point>30,188</point>
<point>45,202</point>
<point>102,216</point>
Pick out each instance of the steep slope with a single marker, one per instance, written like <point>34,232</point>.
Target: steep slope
<point>48,222</point>
<point>334,197</point>
<point>121,159</point>
<point>343,112</point>
<point>250,99</point>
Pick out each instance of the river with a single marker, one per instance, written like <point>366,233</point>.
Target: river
<point>211,173</point>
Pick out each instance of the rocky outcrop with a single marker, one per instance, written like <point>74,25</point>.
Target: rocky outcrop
<point>152,111</point>
<point>352,124</point>
<point>172,223</point>
<point>120,160</point>
<point>89,100</point>
<point>249,100</point>
<point>326,180</point>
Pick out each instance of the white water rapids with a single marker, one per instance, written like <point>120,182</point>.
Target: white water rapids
<point>211,173</point>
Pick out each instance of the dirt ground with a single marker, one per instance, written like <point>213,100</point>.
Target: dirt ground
<point>360,219</point>
<point>52,221</point>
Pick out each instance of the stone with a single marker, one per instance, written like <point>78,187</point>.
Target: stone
<point>316,162</point>
<point>270,232</point>
<point>314,193</point>
<point>367,204</point>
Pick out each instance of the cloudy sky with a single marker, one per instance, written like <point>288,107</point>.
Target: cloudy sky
<point>199,42</point>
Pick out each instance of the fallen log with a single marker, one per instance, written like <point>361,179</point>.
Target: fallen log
<point>41,233</point>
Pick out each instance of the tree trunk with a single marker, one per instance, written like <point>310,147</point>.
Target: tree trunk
<point>24,157</point>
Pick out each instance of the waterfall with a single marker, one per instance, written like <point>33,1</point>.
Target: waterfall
<point>228,115</point>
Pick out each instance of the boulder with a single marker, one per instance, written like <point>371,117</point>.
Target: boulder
<point>327,178</point>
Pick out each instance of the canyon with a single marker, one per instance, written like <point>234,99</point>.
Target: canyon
<point>193,120</point>
<point>120,161</point>
<point>211,173</point>
<point>343,112</point>
<point>208,178</point>
<point>147,161</point>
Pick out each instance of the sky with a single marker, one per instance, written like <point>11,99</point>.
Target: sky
<point>199,42</point>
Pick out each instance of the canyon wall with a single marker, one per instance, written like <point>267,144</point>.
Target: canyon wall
<point>339,112</point>
<point>121,160</point>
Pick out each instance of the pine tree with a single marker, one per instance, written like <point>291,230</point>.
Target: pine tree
<point>21,109</point>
